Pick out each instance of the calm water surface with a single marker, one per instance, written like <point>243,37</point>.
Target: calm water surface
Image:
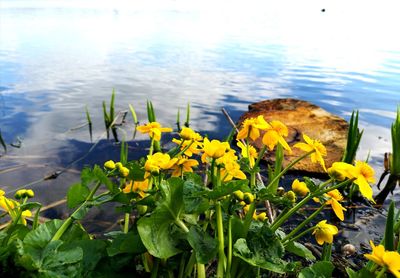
<point>56,57</point>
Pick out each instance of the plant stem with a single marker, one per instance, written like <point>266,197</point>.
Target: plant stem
<point>248,218</point>
<point>380,273</point>
<point>71,219</point>
<point>299,235</point>
<point>260,155</point>
<point>201,271</point>
<point>326,252</point>
<point>229,261</point>
<point>289,167</point>
<point>302,224</point>
<point>220,233</point>
<point>154,271</point>
<point>181,225</point>
<point>126,223</point>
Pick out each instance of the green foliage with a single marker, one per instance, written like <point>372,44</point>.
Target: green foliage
<point>318,270</point>
<point>204,246</point>
<point>389,229</point>
<point>395,158</point>
<point>299,250</point>
<point>353,139</point>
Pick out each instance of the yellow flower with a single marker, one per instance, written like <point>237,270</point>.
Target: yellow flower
<point>274,134</point>
<point>23,193</point>
<point>251,128</point>
<point>183,165</point>
<point>137,186</point>
<point>192,147</point>
<point>335,198</point>
<point>248,152</point>
<point>214,149</point>
<point>316,146</point>
<point>189,134</point>
<point>388,259</point>
<point>324,232</point>
<point>109,165</point>
<point>154,130</point>
<point>340,170</point>
<point>300,188</point>
<point>363,174</point>
<point>232,170</point>
<point>158,161</point>
<point>11,206</point>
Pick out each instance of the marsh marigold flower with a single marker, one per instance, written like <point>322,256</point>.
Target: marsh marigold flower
<point>11,206</point>
<point>324,232</point>
<point>189,134</point>
<point>214,149</point>
<point>251,128</point>
<point>157,162</point>
<point>191,146</point>
<point>334,197</point>
<point>388,259</point>
<point>316,146</point>
<point>183,165</point>
<point>300,188</point>
<point>154,130</point>
<point>232,170</point>
<point>248,152</point>
<point>274,134</point>
<point>137,186</point>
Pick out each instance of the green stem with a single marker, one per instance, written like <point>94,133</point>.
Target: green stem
<point>190,264</point>
<point>302,224</point>
<point>220,233</point>
<point>181,225</point>
<point>326,252</point>
<point>380,273</point>
<point>151,150</point>
<point>154,271</point>
<point>71,219</point>
<point>260,155</point>
<point>182,266</point>
<point>299,235</point>
<point>36,219</point>
<point>126,223</point>
<point>201,271</point>
<point>248,218</point>
<point>229,261</point>
<point>291,164</point>
<point>252,180</point>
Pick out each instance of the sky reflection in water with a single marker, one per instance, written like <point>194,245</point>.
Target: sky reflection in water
<point>56,57</point>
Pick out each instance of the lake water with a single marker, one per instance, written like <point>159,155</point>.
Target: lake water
<point>56,57</point>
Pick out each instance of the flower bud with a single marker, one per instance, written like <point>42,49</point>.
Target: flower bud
<point>248,198</point>
<point>124,171</point>
<point>291,196</point>
<point>239,195</point>
<point>29,193</point>
<point>110,165</point>
<point>118,165</point>
<point>20,194</point>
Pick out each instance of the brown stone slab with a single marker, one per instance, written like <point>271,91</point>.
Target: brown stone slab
<point>303,117</point>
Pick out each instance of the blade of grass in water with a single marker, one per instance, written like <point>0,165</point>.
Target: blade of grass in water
<point>106,119</point>
<point>2,142</point>
<point>150,112</point>
<point>395,158</point>
<point>353,139</point>
<point>178,120</point>
<point>389,231</point>
<point>187,115</point>
<point>89,123</point>
<point>134,116</point>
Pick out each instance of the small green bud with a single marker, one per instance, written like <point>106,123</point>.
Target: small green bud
<point>291,196</point>
<point>142,209</point>
<point>109,165</point>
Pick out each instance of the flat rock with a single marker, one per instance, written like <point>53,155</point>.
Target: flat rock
<point>303,117</point>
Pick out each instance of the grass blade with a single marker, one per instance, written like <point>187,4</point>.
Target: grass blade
<point>3,143</point>
<point>187,115</point>
<point>389,230</point>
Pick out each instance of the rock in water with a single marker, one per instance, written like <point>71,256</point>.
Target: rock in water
<point>303,117</point>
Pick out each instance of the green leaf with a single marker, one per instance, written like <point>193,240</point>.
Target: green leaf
<point>136,171</point>
<point>101,177</point>
<point>389,229</point>
<point>362,273</point>
<point>157,230</point>
<point>318,270</point>
<point>129,243</point>
<point>203,244</point>
<point>227,189</point>
<point>77,194</point>
<point>263,249</point>
<point>30,206</point>
<point>193,202</point>
<point>299,250</point>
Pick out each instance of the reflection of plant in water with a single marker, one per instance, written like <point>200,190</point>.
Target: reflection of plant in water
<point>177,223</point>
<point>392,162</point>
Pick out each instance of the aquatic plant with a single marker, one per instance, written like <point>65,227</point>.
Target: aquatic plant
<point>197,209</point>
